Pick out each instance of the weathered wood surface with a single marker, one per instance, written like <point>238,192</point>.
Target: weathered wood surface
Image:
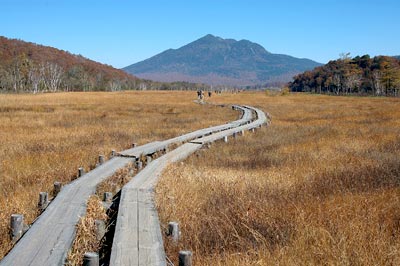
<point>261,119</point>
<point>138,238</point>
<point>145,149</point>
<point>160,145</point>
<point>247,115</point>
<point>51,235</point>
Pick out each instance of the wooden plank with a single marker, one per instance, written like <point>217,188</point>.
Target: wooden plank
<point>145,149</point>
<point>160,145</point>
<point>151,248</point>
<point>141,242</point>
<point>50,237</point>
<point>261,119</point>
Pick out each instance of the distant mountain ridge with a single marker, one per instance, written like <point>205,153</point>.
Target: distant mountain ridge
<point>216,61</point>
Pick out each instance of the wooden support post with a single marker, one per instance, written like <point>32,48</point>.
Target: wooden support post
<point>242,133</point>
<point>113,153</point>
<point>107,196</point>
<point>16,227</point>
<point>43,201</point>
<point>234,135</point>
<point>57,188</point>
<point>253,130</point>
<point>173,231</point>
<point>90,259</point>
<point>131,171</point>
<point>185,258</point>
<point>100,229</point>
<point>81,171</point>
<point>139,165</point>
<point>134,145</point>
<point>226,139</point>
<point>101,159</point>
<point>148,159</point>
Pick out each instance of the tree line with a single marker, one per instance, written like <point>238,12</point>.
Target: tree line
<point>361,75</point>
<point>29,67</point>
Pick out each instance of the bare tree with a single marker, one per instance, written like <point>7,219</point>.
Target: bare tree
<point>6,81</point>
<point>35,77</point>
<point>376,82</point>
<point>16,74</point>
<point>337,82</point>
<point>52,75</point>
<point>86,82</point>
<point>351,82</point>
<point>142,86</point>
<point>344,56</point>
<point>114,85</point>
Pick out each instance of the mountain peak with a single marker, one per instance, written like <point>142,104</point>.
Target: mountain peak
<point>217,61</point>
<point>210,36</point>
<point>213,38</point>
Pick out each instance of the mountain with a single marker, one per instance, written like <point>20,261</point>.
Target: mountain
<point>397,57</point>
<point>216,61</point>
<point>26,66</point>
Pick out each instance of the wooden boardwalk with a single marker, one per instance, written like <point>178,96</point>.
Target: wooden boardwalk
<point>138,239</point>
<point>49,239</point>
<point>161,145</point>
<point>261,119</point>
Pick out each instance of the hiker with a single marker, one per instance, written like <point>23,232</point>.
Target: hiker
<point>200,95</point>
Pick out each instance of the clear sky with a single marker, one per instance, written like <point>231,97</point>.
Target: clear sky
<point>123,32</point>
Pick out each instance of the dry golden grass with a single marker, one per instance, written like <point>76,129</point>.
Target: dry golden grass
<point>320,186</point>
<point>46,137</point>
<point>115,182</point>
<point>86,236</point>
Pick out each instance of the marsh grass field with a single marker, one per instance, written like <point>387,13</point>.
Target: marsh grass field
<point>46,137</point>
<point>319,186</point>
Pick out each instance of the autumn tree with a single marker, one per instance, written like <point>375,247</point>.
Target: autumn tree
<point>359,75</point>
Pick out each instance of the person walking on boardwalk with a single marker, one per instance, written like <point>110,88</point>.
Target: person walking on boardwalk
<point>200,95</point>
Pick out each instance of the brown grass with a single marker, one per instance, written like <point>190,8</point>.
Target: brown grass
<point>115,182</point>
<point>321,185</point>
<point>86,236</point>
<point>46,137</point>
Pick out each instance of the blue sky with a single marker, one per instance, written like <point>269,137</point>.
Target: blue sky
<point>122,32</point>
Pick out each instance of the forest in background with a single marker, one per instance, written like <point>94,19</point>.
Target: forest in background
<point>378,76</point>
<point>29,67</point>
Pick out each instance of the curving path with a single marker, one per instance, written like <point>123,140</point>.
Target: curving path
<point>137,239</point>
